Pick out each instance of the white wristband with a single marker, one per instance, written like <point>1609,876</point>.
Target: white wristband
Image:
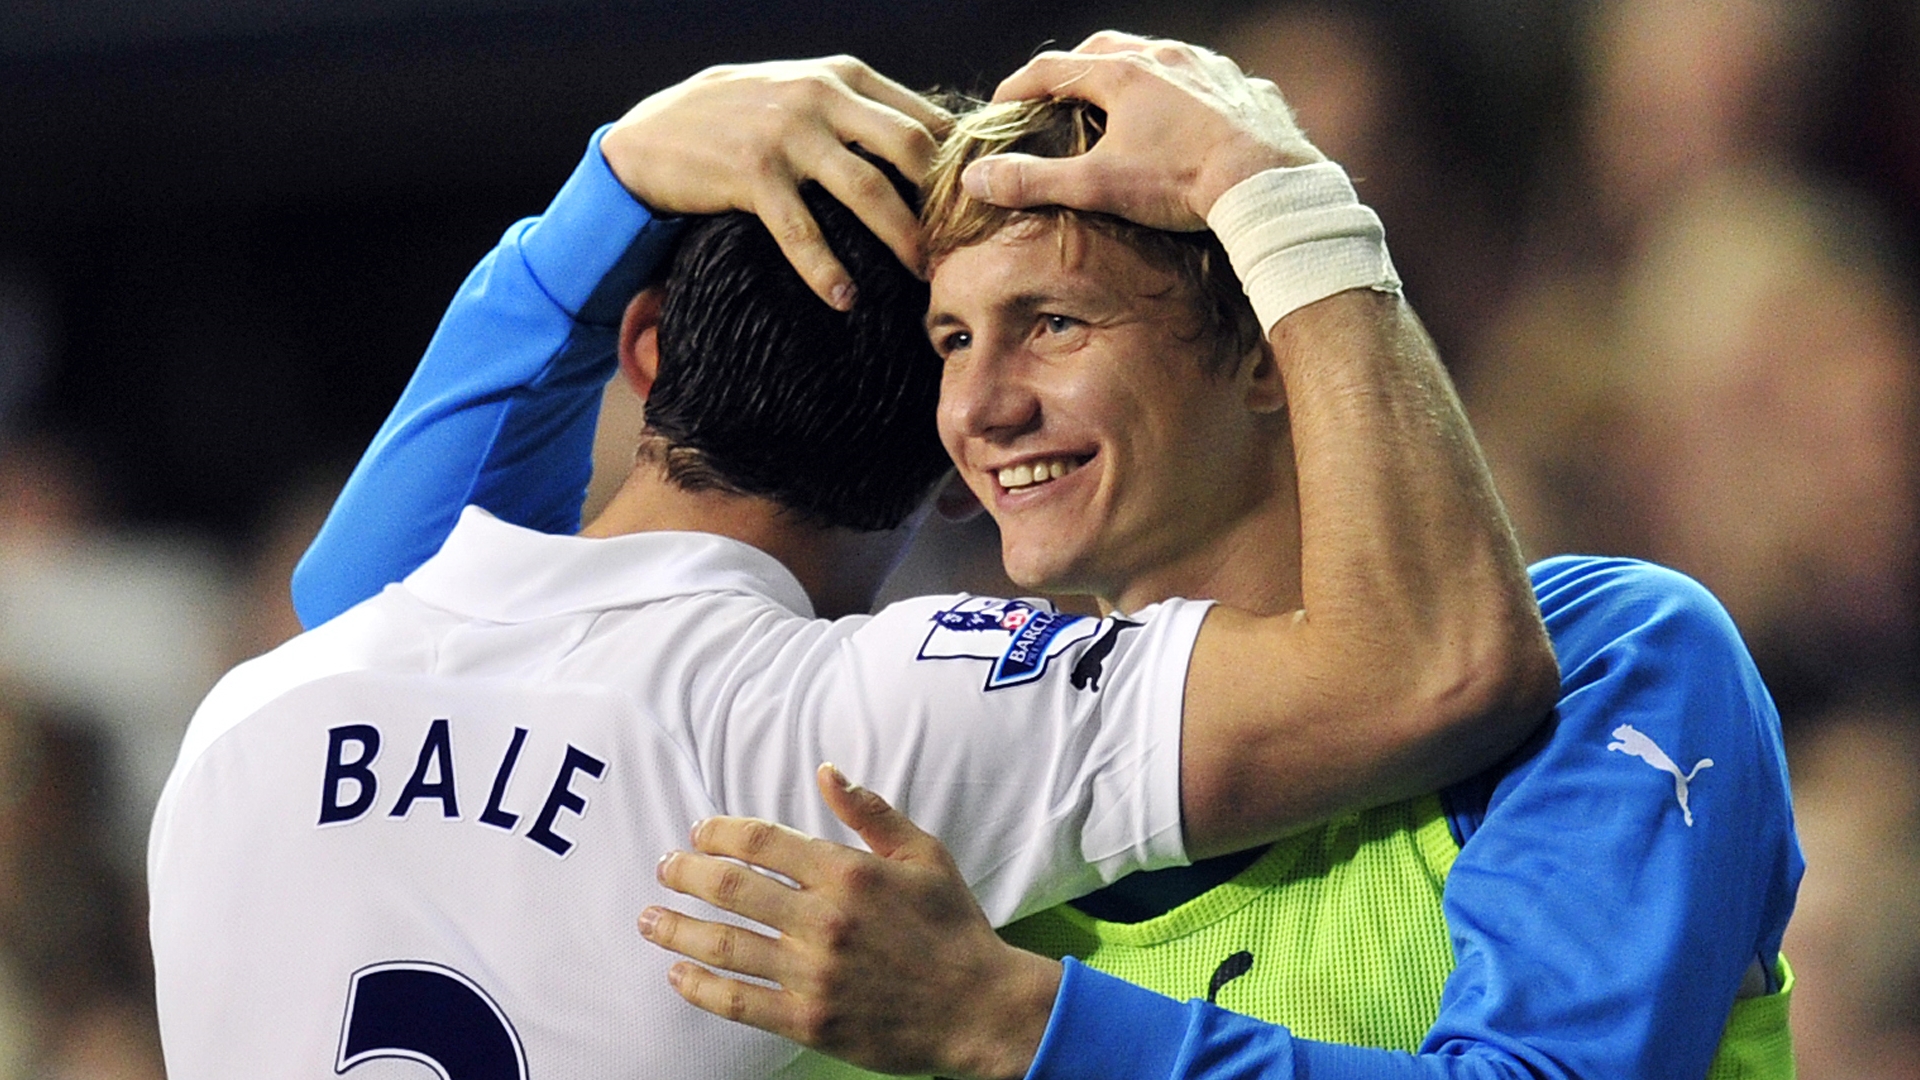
<point>1300,234</point>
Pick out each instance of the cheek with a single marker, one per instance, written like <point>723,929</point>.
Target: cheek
<point>1195,438</point>
<point>946,423</point>
<point>1097,395</point>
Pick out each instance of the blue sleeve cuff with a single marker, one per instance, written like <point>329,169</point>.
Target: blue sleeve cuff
<point>596,245</point>
<point>1103,1028</point>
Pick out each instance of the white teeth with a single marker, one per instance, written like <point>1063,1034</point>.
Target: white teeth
<point>1040,472</point>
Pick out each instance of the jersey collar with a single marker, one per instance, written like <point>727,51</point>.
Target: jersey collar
<point>489,569</point>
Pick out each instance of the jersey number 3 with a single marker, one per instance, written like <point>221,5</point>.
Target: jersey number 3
<point>431,1014</point>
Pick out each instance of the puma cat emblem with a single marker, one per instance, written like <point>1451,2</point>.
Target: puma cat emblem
<point>1629,740</point>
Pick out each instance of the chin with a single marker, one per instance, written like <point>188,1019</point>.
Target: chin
<point>1027,578</point>
<point>1037,568</point>
<point>1028,568</point>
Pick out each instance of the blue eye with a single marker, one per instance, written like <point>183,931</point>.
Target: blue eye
<point>953,342</point>
<point>1059,324</point>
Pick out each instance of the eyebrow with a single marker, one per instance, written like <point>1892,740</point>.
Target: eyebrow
<point>1020,303</point>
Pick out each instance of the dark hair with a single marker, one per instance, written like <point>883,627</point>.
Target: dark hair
<point>765,390</point>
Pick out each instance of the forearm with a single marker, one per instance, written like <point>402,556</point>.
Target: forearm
<point>501,410</point>
<point>1416,656</point>
<point>1102,1027</point>
<point>1418,611</point>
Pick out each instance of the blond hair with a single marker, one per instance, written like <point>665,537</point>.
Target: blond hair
<point>1065,127</point>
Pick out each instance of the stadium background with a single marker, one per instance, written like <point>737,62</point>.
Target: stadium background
<point>1667,246</point>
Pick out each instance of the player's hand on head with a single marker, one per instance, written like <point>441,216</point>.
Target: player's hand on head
<point>744,137</point>
<point>1183,125</point>
<point>884,960</point>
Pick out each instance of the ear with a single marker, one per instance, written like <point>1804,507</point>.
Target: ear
<point>956,501</point>
<point>1260,374</point>
<point>640,340</point>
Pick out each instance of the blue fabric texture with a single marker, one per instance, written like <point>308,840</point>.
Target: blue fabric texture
<point>1098,1020</point>
<point>1597,932</point>
<point>501,412</point>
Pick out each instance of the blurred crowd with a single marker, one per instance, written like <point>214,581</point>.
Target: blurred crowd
<point>1680,302</point>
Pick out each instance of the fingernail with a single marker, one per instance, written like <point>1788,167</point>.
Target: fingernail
<point>648,920</point>
<point>977,181</point>
<point>674,975</point>
<point>660,868</point>
<point>844,294</point>
<point>839,777</point>
<point>698,828</point>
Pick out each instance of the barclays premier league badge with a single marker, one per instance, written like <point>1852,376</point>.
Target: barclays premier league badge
<point>1020,637</point>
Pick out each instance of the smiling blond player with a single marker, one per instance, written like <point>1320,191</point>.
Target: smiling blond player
<point>1607,903</point>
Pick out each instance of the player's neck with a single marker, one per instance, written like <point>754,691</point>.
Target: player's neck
<point>1255,566</point>
<point>841,569</point>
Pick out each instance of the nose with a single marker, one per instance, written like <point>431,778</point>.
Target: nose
<point>986,396</point>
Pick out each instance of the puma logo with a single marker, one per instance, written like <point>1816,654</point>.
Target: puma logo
<point>1086,673</point>
<point>1631,741</point>
<point>1230,969</point>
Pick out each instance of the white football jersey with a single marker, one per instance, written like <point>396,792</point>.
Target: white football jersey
<point>414,841</point>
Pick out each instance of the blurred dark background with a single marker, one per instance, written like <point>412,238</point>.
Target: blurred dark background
<point>241,219</point>
<point>247,219</point>
<point>1668,248</point>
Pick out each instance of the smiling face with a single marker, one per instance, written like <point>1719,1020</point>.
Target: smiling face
<point>1082,404</point>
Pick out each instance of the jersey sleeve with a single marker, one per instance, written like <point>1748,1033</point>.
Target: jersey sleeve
<point>1640,857</point>
<point>1042,748</point>
<point>1601,927</point>
<point>1103,1028</point>
<point>501,411</point>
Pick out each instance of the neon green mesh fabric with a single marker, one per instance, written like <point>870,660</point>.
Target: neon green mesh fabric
<point>1757,1044</point>
<point>1336,933</point>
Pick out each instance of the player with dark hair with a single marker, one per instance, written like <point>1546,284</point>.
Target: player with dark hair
<point>420,830</point>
